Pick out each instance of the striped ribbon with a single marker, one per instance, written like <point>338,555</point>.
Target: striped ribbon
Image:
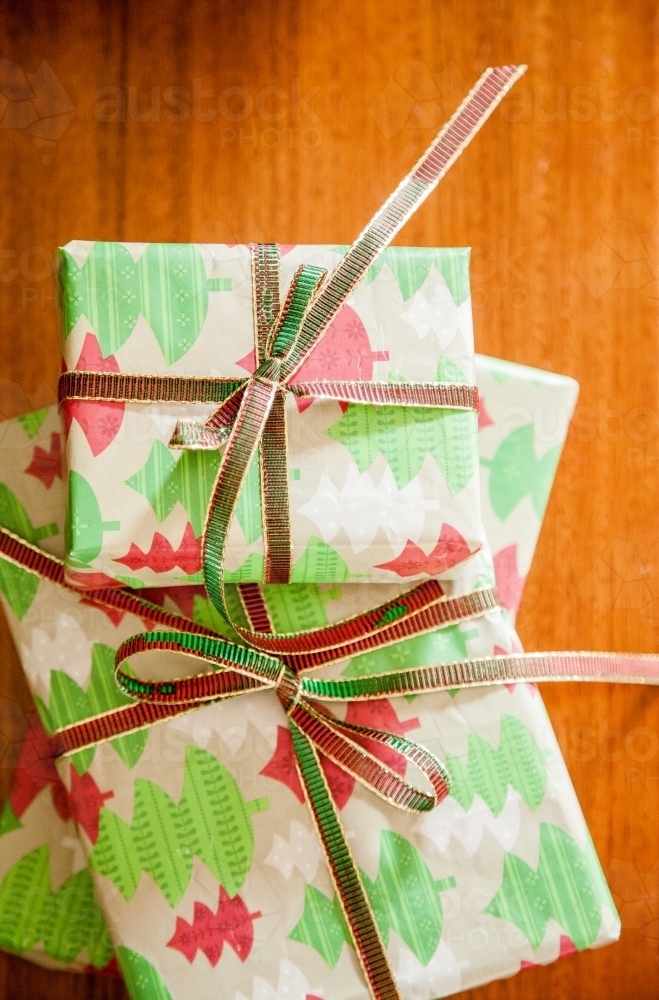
<point>233,670</point>
<point>251,414</point>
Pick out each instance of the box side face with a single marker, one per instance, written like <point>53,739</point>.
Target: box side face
<point>523,423</point>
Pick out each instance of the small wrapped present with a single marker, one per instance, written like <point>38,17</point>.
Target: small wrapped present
<point>261,911</point>
<point>375,493</point>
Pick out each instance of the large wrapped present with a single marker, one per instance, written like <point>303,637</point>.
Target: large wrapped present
<point>490,871</point>
<point>322,400</point>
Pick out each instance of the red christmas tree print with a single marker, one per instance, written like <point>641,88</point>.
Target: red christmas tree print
<point>281,766</point>
<point>162,558</point>
<point>451,549</point>
<point>86,800</point>
<point>35,770</point>
<point>343,354</point>
<point>232,923</point>
<point>565,948</point>
<point>484,418</point>
<point>509,583</point>
<point>91,581</point>
<point>46,465</point>
<point>100,422</point>
<point>182,597</point>
<point>376,715</point>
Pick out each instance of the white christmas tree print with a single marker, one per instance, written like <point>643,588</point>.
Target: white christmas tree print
<point>292,985</point>
<point>300,851</point>
<point>69,651</point>
<point>451,820</point>
<point>440,977</point>
<point>362,508</point>
<point>439,315</point>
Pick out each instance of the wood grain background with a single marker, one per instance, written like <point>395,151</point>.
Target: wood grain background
<point>294,121</point>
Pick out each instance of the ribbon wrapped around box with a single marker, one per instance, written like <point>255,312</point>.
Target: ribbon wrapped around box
<point>187,347</point>
<point>493,815</point>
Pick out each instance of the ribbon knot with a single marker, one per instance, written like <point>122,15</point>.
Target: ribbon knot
<point>269,370</point>
<point>289,689</point>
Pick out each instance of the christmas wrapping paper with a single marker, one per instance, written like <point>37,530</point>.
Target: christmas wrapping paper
<point>478,889</point>
<point>377,494</point>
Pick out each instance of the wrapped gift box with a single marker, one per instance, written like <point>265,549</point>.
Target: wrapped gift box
<point>507,852</point>
<point>376,494</point>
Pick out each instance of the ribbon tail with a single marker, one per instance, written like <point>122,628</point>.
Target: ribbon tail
<point>273,452</point>
<point>215,432</point>
<point>453,139</point>
<point>255,407</point>
<point>344,871</point>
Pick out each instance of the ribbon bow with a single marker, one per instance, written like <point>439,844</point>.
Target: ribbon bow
<point>252,411</point>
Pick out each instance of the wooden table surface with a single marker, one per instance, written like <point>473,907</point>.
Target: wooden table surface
<point>292,122</point>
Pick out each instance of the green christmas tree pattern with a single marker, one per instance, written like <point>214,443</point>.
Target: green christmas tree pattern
<point>69,703</point>
<point>212,822</point>
<point>17,585</point>
<point>33,422</point>
<point>167,285</point>
<point>441,646</point>
<point>84,525</point>
<point>411,266</point>
<point>568,887</point>
<point>405,898</point>
<point>8,820</point>
<point>517,762</point>
<point>297,606</point>
<point>516,472</point>
<point>143,981</point>
<point>165,481</point>
<point>67,922</point>
<point>319,563</point>
<point>405,435</point>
